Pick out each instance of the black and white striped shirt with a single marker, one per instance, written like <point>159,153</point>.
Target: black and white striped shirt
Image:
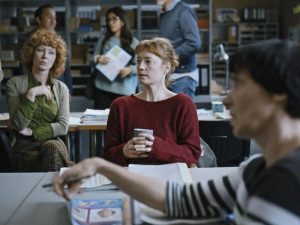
<point>254,193</point>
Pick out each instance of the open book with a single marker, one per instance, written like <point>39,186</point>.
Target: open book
<point>174,171</point>
<point>118,60</point>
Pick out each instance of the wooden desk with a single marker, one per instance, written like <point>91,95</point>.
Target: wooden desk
<point>24,201</point>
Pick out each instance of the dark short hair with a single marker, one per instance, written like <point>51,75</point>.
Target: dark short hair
<point>39,11</point>
<point>275,65</point>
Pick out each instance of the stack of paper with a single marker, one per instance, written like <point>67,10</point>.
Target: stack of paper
<point>96,182</point>
<point>174,171</point>
<point>95,115</point>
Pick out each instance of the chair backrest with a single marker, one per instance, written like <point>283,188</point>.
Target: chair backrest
<point>229,150</point>
<point>7,156</point>
<point>208,158</point>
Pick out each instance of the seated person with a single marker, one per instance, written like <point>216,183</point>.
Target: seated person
<point>38,105</point>
<point>45,18</point>
<point>171,116</point>
<point>265,105</point>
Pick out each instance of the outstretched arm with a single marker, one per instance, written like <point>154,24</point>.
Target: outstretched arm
<point>148,191</point>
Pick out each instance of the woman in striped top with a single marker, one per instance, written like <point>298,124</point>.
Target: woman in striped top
<point>265,105</point>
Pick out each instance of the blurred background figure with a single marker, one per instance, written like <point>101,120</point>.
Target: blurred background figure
<point>1,72</point>
<point>117,33</point>
<point>178,23</point>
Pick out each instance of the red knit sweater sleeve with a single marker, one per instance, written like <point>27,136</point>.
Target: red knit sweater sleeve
<point>114,137</point>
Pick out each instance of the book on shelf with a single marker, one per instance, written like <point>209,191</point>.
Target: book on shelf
<point>95,115</point>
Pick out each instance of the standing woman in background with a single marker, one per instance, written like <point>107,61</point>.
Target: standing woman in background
<point>38,105</point>
<point>117,33</point>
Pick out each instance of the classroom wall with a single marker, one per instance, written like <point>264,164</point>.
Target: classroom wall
<point>287,18</point>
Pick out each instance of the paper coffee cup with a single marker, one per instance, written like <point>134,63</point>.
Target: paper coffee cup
<point>137,131</point>
<point>217,107</point>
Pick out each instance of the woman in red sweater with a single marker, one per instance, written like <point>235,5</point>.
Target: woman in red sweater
<point>171,116</point>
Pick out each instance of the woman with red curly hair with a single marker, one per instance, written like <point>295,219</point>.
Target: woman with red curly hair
<point>39,105</point>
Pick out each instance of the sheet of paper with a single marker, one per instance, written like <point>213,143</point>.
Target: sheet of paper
<point>93,182</point>
<point>118,60</point>
<point>96,112</point>
<point>74,120</point>
<point>95,115</point>
<point>173,171</point>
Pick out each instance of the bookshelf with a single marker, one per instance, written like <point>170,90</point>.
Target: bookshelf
<point>81,22</point>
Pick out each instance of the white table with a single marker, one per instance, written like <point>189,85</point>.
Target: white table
<point>24,201</point>
<point>14,189</point>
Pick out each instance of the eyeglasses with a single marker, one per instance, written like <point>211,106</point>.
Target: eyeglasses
<point>113,19</point>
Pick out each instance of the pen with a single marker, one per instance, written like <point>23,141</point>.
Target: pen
<point>71,180</point>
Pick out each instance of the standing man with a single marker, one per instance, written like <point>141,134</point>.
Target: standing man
<point>45,17</point>
<point>178,23</point>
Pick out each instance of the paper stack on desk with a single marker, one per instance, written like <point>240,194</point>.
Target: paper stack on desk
<point>174,171</point>
<point>96,182</point>
<point>178,172</point>
<point>95,115</point>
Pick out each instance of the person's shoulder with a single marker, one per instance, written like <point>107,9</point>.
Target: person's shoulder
<point>18,79</point>
<point>183,102</point>
<point>290,163</point>
<point>184,98</point>
<point>61,85</point>
<point>185,8</point>
<point>124,100</point>
<point>134,42</point>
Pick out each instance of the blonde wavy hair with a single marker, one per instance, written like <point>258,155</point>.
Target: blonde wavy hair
<point>47,38</point>
<point>162,48</point>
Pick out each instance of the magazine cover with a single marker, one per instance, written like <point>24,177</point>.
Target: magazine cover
<point>97,212</point>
